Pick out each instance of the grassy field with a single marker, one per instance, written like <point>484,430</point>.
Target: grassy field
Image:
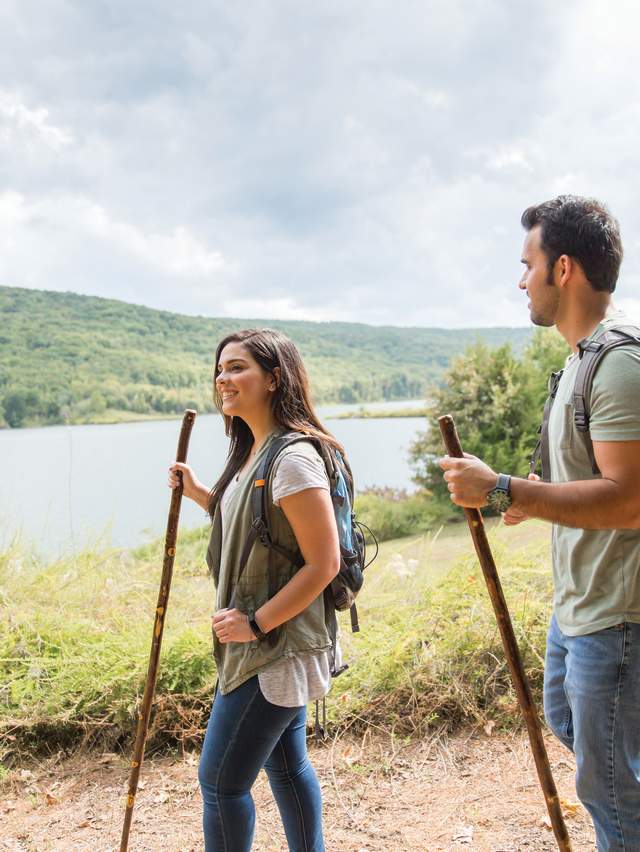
<point>74,641</point>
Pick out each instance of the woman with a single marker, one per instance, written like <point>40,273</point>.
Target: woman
<point>271,642</point>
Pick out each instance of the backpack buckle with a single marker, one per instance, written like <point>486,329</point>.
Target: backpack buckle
<point>554,381</point>
<point>263,533</point>
<point>580,419</point>
<point>586,345</point>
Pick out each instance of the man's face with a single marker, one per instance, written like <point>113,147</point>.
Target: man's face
<point>538,282</point>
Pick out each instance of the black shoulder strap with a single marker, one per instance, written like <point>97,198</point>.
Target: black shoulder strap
<point>541,452</point>
<point>591,353</point>
<point>260,528</point>
<point>259,495</point>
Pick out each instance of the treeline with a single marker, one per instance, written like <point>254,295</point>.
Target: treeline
<point>497,399</point>
<point>66,358</point>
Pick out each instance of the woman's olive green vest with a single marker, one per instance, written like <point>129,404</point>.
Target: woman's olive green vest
<point>266,572</point>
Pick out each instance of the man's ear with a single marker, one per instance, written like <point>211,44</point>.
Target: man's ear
<point>565,268</point>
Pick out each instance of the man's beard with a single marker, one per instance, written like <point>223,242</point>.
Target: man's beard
<point>540,319</point>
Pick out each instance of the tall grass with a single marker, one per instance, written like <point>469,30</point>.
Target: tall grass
<point>395,513</point>
<point>75,636</point>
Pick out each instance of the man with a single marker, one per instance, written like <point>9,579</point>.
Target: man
<point>572,254</point>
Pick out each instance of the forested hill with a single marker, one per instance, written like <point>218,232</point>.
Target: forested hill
<point>66,358</point>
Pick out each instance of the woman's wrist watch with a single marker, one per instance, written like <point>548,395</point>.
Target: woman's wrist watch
<point>256,629</point>
<point>499,498</point>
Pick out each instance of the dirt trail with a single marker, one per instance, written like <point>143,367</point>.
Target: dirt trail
<point>469,792</point>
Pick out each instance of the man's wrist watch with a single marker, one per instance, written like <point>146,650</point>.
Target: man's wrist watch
<point>499,498</point>
<point>255,629</point>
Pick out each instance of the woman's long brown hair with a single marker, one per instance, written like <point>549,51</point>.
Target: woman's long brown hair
<point>291,401</point>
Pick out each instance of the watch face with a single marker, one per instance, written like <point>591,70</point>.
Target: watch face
<point>499,500</point>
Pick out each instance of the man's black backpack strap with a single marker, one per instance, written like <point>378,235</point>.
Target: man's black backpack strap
<point>591,353</point>
<point>541,452</point>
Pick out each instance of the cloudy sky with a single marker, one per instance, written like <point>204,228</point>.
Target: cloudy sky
<point>365,160</point>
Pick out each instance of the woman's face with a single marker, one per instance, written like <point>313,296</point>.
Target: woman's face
<point>244,387</point>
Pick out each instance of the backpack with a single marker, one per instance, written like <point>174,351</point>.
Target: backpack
<point>341,593</point>
<point>590,352</point>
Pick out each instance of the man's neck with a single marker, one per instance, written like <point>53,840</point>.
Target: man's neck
<point>581,318</point>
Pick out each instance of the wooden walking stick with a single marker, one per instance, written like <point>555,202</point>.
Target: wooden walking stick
<point>512,652</point>
<point>158,627</point>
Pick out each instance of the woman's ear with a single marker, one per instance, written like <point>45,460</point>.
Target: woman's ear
<point>276,378</point>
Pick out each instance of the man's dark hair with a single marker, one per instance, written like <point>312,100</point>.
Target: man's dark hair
<point>582,228</point>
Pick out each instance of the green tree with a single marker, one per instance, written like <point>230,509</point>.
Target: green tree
<point>63,347</point>
<point>97,403</point>
<point>492,396</point>
<point>18,405</point>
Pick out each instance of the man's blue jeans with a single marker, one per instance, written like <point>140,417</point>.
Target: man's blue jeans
<point>245,733</point>
<point>592,704</point>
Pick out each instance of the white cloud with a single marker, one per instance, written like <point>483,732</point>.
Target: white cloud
<point>76,237</point>
<point>178,253</point>
<point>352,161</point>
<point>436,98</point>
<point>630,306</point>
<point>19,124</point>
<point>284,309</point>
<point>509,157</point>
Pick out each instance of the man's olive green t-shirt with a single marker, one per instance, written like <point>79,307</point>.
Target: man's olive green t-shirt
<point>596,572</point>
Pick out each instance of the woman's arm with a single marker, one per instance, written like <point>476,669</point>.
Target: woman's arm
<point>310,513</point>
<point>191,485</point>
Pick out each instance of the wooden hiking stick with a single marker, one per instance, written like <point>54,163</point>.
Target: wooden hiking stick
<point>512,652</point>
<point>158,627</point>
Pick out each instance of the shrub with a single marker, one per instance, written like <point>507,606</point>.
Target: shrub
<point>392,513</point>
<point>429,650</point>
<point>496,400</point>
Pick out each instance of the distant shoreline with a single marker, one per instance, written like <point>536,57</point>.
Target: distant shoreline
<point>116,418</point>
<point>379,414</point>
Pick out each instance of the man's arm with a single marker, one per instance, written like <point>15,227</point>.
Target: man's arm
<point>612,502</point>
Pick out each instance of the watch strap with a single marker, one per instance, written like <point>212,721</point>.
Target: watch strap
<point>256,630</point>
<point>504,483</point>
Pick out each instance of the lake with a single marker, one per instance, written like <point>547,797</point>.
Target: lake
<point>68,487</point>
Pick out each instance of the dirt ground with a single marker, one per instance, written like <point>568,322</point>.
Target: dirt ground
<point>475,791</point>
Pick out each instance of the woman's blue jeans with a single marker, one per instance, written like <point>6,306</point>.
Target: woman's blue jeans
<point>246,733</point>
<point>592,704</point>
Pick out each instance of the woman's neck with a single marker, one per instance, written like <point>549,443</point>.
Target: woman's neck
<point>261,427</point>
